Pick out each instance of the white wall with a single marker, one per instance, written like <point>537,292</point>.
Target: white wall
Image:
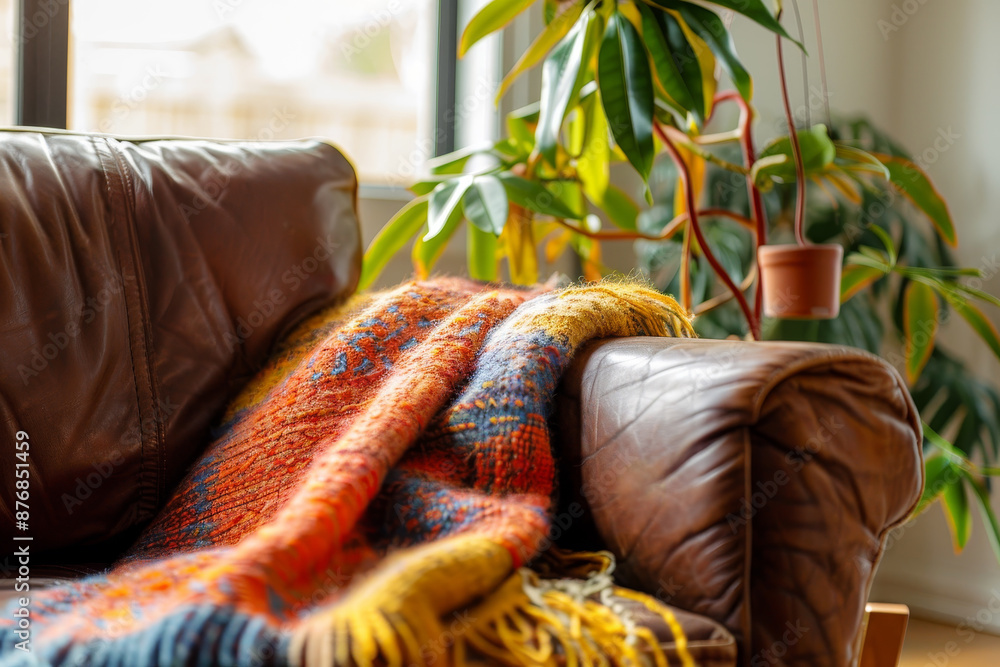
<point>944,82</point>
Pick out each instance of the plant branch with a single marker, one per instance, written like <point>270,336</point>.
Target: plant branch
<point>757,204</point>
<point>726,297</point>
<point>708,156</point>
<point>800,171</point>
<point>685,174</point>
<point>667,232</point>
<point>717,138</point>
<point>822,63</point>
<point>685,274</point>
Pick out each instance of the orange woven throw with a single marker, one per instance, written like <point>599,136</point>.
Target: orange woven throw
<point>390,466</point>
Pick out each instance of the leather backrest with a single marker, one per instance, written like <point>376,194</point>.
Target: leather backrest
<point>753,483</point>
<point>143,282</point>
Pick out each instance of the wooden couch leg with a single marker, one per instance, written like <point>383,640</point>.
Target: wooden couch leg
<point>884,630</point>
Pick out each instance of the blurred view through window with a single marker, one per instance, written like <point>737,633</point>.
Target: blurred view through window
<point>358,72</point>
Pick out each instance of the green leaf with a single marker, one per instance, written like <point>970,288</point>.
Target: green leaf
<point>855,159</point>
<point>485,204</point>
<point>954,454</point>
<point>550,8</point>
<point>619,207</point>
<point>391,238</point>
<point>668,78</point>
<point>534,196</point>
<point>939,272</point>
<point>938,473</point>
<point>865,260</point>
<point>854,278</point>
<point>707,25</point>
<point>756,11</point>
<point>570,193</point>
<point>560,80</point>
<point>444,201</point>
<point>694,59</point>
<point>454,163</point>
<point>890,247</point>
<point>427,251</point>
<point>914,183</point>
<point>627,92</point>
<point>989,517</point>
<point>554,31</point>
<point>521,127</point>
<point>592,165</point>
<point>482,254</point>
<point>958,513</point>
<point>975,293</point>
<point>421,188</point>
<point>490,18</point>
<point>920,318</point>
<point>976,319</point>
<point>818,153</point>
<point>947,390</point>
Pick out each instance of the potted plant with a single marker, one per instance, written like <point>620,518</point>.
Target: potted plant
<point>634,82</point>
<point>800,280</point>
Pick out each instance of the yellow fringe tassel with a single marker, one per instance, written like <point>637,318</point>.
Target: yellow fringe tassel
<point>575,622</point>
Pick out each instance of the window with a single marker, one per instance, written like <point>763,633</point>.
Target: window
<point>7,62</point>
<point>377,77</point>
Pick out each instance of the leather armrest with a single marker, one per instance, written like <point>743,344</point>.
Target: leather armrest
<point>753,483</point>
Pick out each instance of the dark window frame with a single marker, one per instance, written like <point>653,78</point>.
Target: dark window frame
<point>42,44</point>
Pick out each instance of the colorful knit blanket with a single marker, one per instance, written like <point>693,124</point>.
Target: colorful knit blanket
<point>390,467</point>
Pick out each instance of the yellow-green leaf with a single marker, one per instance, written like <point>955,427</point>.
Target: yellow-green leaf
<point>704,63</point>
<point>490,18</point>
<point>561,77</point>
<point>977,320</point>
<point>915,184</point>
<point>938,473</point>
<point>856,278</point>
<point>619,207</point>
<point>544,43</point>
<point>391,238</point>
<point>756,11</point>
<point>989,517</point>
<point>920,325</point>
<point>482,254</point>
<point>855,159</point>
<point>592,165</point>
<point>712,30</point>
<point>958,513</point>
<point>427,251</point>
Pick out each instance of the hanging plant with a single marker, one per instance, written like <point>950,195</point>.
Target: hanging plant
<point>634,82</point>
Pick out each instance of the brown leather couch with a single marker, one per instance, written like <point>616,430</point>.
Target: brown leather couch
<point>145,281</point>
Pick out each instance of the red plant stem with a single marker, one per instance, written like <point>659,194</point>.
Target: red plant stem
<point>800,170</point>
<point>757,204</point>
<point>692,207</point>
<point>686,269</point>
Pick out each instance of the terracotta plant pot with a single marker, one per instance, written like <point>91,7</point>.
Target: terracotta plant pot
<point>801,282</point>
